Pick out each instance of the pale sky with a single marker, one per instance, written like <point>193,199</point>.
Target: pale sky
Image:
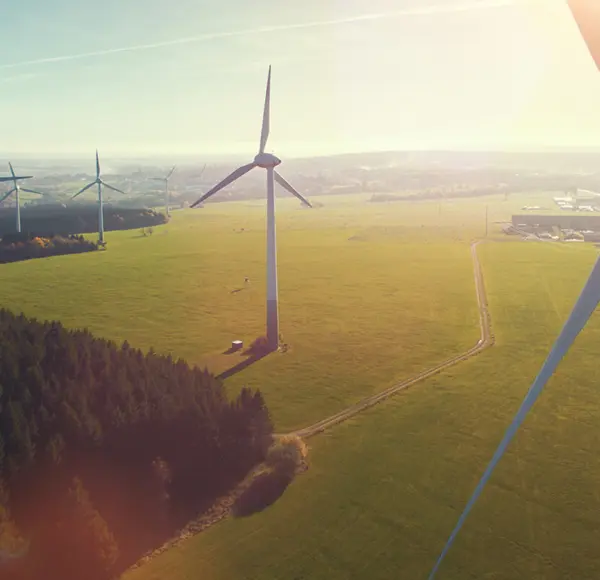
<point>348,75</point>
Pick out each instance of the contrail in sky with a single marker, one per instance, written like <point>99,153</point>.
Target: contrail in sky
<point>424,10</point>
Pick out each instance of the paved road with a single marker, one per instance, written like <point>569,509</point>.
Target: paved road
<point>486,340</point>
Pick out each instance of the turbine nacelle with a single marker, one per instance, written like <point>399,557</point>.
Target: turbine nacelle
<point>266,160</point>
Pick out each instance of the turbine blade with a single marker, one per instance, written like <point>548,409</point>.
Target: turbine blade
<point>84,189</point>
<point>17,177</point>
<point>229,179</point>
<point>97,165</point>
<point>587,16</point>
<point>586,304</point>
<point>7,194</point>
<point>199,176</point>
<point>12,171</point>
<point>264,134</point>
<point>171,172</point>
<point>113,188</point>
<point>157,178</point>
<point>33,191</point>
<point>287,186</point>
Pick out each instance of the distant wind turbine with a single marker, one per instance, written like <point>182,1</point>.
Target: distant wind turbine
<point>16,189</point>
<point>98,181</point>
<point>269,162</point>
<point>166,180</point>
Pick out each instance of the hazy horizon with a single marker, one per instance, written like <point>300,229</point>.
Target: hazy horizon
<point>180,79</point>
<point>165,157</point>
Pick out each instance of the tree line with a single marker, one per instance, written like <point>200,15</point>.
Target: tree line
<point>52,219</point>
<point>440,195</point>
<point>105,450</point>
<point>25,246</point>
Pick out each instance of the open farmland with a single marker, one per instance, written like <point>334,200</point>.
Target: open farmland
<point>385,489</point>
<point>370,294</point>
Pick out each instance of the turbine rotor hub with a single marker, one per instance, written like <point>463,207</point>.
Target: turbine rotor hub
<point>266,160</point>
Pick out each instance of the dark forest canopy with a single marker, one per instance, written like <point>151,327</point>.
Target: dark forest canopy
<point>26,246</point>
<point>105,450</point>
<point>77,219</point>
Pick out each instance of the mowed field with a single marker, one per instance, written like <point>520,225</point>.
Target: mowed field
<point>385,489</point>
<point>369,294</point>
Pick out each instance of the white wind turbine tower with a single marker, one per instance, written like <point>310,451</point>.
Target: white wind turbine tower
<point>98,181</point>
<point>16,189</point>
<point>269,162</point>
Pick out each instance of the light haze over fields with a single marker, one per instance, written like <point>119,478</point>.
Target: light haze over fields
<point>349,75</point>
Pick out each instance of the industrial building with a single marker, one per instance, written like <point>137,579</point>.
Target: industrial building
<point>540,222</point>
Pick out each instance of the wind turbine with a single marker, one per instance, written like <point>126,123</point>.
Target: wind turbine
<point>16,189</point>
<point>166,180</point>
<point>98,181</point>
<point>269,162</point>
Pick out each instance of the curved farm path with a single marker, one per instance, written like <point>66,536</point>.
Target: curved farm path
<point>222,507</point>
<point>486,340</point>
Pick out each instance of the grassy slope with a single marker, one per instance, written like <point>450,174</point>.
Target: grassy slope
<point>368,296</point>
<point>385,489</point>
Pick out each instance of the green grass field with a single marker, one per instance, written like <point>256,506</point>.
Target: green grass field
<point>370,293</point>
<point>384,490</point>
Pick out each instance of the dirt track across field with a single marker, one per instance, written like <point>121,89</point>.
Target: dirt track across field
<point>222,507</point>
<point>486,340</point>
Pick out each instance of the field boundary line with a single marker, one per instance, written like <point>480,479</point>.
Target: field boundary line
<point>486,340</point>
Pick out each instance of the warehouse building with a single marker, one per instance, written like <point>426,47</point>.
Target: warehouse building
<point>578,222</point>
